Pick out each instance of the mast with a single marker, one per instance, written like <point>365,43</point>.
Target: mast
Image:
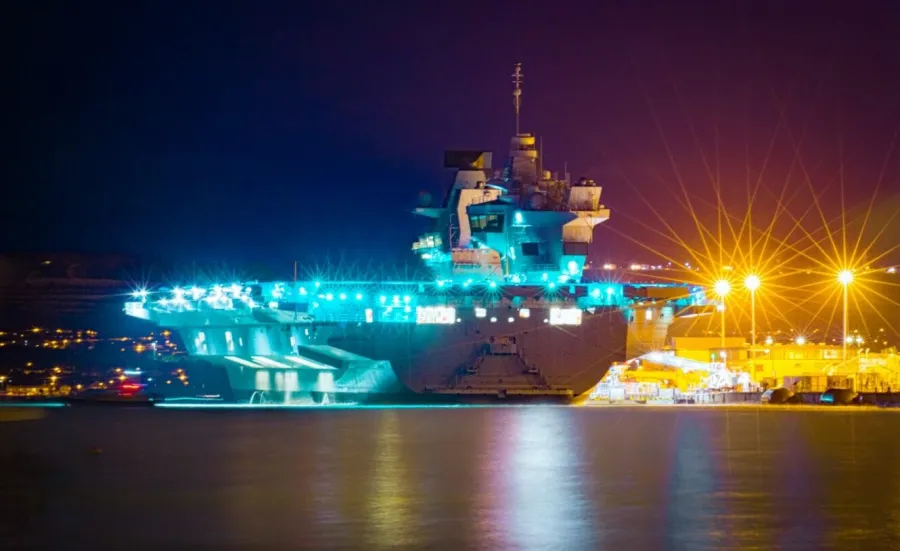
<point>540,162</point>
<point>517,92</point>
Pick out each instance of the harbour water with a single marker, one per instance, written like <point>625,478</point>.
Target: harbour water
<point>455,478</point>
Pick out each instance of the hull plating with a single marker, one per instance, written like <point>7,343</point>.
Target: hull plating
<point>374,362</point>
<point>427,356</point>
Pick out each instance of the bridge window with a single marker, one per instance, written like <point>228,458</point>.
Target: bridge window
<point>490,223</point>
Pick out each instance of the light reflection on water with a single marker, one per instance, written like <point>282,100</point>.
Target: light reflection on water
<point>480,478</point>
<point>692,485</point>
<point>530,483</point>
<point>542,469</point>
<point>391,507</point>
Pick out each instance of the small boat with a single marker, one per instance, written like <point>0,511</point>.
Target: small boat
<point>130,394</point>
<point>779,396</point>
<point>839,397</point>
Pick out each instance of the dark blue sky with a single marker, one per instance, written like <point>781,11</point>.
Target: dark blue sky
<point>268,131</point>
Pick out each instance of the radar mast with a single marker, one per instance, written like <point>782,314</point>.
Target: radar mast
<point>517,92</point>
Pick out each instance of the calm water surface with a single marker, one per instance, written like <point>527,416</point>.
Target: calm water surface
<point>467,478</point>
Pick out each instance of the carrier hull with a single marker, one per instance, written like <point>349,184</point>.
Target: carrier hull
<point>478,359</point>
<point>441,357</point>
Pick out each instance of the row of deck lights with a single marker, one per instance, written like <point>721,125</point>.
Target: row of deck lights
<point>196,293</point>
<point>752,282</point>
<point>595,293</point>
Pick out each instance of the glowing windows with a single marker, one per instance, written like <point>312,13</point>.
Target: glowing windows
<point>565,316</point>
<point>428,315</point>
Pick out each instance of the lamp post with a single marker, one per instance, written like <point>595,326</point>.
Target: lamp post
<point>845,278</point>
<point>722,288</point>
<point>752,283</point>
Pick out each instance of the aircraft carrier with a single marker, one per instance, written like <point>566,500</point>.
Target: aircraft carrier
<point>506,315</point>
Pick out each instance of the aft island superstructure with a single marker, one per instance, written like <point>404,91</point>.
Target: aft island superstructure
<point>506,314</point>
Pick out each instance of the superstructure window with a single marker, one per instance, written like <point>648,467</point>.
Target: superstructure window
<point>490,223</point>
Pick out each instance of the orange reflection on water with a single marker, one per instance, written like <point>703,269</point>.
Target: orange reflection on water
<point>391,507</point>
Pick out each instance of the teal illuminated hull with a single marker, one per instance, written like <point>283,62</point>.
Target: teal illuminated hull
<point>459,362</point>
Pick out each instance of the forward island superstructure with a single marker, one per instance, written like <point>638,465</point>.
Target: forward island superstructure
<point>505,316</point>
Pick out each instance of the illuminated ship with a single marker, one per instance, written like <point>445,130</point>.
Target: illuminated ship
<point>506,314</point>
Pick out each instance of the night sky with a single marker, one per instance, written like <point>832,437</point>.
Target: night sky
<point>272,131</point>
